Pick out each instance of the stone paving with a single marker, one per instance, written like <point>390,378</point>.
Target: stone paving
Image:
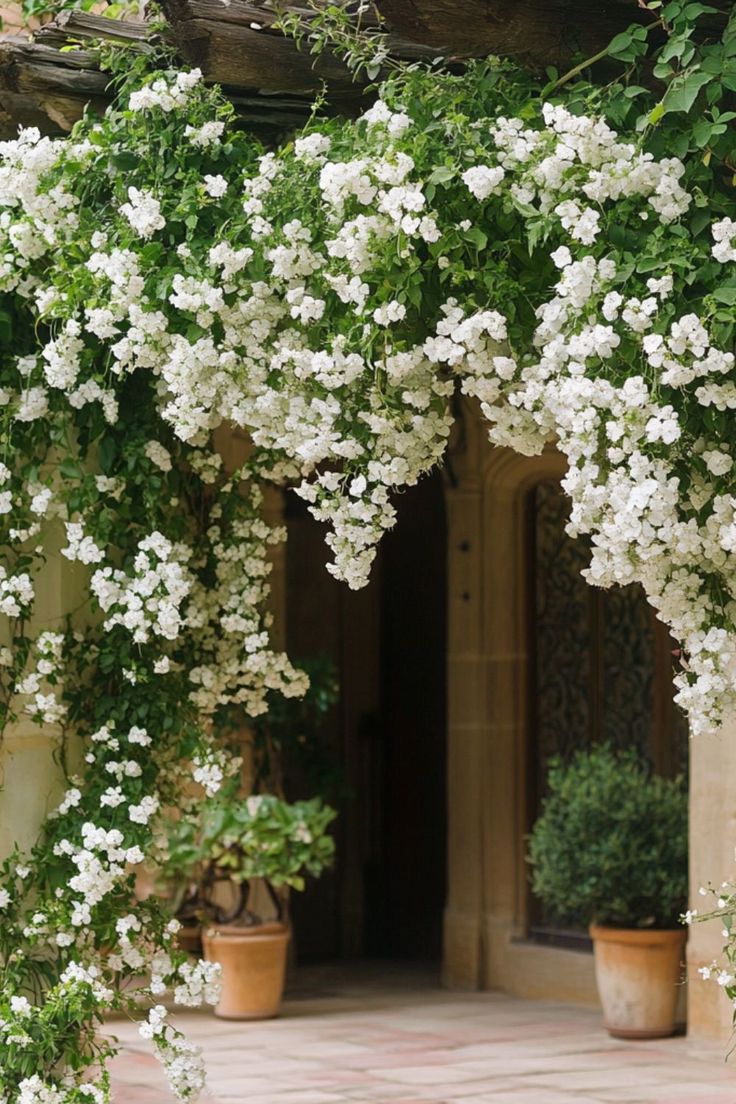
<point>380,1035</point>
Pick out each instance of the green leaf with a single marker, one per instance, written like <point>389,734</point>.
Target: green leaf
<point>656,114</point>
<point>683,92</point>
<point>124,159</point>
<point>70,469</point>
<point>441,175</point>
<point>107,451</point>
<point>476,236</point>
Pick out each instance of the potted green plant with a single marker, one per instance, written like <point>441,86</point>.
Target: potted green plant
<point>610,849</point>
<point>216,856</point>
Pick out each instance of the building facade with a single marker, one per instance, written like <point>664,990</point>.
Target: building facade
<point>469,658</point>
<point>525,660</point>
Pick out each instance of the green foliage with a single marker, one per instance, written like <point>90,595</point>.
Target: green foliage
<point>230,838</point>
<point>116,9</point>
<point>292,735</point>
<point>690,50</point>
<point>611,844</point>
<point>341,29</point>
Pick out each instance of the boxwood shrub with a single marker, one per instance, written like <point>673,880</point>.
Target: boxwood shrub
<point>610,846</point>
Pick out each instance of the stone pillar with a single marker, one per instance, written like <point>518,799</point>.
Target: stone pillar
<point>467,713</point>
<point>31,778</point>
<point>467,736</point>
<point>712,860</point>
<point>488,723</point>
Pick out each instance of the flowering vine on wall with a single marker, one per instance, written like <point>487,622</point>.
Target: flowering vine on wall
<point>162,277</point>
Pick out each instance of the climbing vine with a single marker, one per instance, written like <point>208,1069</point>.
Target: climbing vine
<point>565,259</point>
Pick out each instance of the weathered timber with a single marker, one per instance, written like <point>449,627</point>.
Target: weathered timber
<point>43,87</point>
<point>537,32</point>
<point>49,80</point>
<point>236,54</point>
<point>72,25</point>
<point>237,44</point>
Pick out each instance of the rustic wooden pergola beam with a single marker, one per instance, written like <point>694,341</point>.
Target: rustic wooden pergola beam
<point>269,79</point>
<point>536,32</point>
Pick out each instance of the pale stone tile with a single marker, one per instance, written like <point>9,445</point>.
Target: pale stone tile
<point>307,1096</point>
<point>426,1075</point>
<point>695,1092</point>
<point>364,1043</point>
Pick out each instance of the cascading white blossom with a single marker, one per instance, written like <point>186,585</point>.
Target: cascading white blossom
<point>329,299</point>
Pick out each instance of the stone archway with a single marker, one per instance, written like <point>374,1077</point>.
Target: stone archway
<point>488,701</point>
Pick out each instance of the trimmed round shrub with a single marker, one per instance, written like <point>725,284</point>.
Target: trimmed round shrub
<point>610,846</point>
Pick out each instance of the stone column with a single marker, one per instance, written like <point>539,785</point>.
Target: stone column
<point>31,778</point>
<point>712,860</point>
<point>467,736</point>
<point>467,716</point>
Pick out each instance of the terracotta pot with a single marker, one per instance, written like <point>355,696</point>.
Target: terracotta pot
<point>638,974</point>
<point>253,964</point>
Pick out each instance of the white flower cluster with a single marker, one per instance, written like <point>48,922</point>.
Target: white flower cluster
<point>143,212</point>
<point>16,593</point>
<point>724,236</point>
<point>148,601</point>
<point>43,684</point>
<point>233,663</point>
<point>182,1062</point>
<point>164,94</point>
<point>101,865</point>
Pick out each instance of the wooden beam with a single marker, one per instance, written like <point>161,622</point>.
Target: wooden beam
<point>43,87</point>
<point>70,25</point>
<point>235,43</point>
<point>536,32</point>
<point>231,51</point>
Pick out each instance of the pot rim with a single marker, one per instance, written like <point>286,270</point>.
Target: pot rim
<point>603,933</point>
<point>271,929</point>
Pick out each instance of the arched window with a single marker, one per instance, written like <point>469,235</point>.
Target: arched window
<point>601,667</point>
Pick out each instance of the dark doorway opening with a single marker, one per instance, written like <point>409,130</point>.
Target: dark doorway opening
<point>387,736</point>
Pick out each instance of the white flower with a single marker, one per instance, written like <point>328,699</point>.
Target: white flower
<point>208,134</point>
<point>158,455</point>
<point>144,810</point>
<point>139,736</point>
<point>208,775</point>
<point>34,404</point>
<point>717,461</point>
<point>724,233</point>
<point>215,186</point>
<point>312,148</point>
<point>143,212</point>
<point>561,257</point>
<point>80,547</point>
<point>389,312</point>
<point>72,798</point>
<point>483,181</point>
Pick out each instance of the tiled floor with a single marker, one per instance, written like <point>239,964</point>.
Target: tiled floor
<point>371,1036</point>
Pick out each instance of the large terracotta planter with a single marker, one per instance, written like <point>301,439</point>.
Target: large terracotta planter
<point>253,964</point>
<point>638,974</point>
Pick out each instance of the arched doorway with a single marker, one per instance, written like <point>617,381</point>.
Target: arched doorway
<point>386,739</point>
